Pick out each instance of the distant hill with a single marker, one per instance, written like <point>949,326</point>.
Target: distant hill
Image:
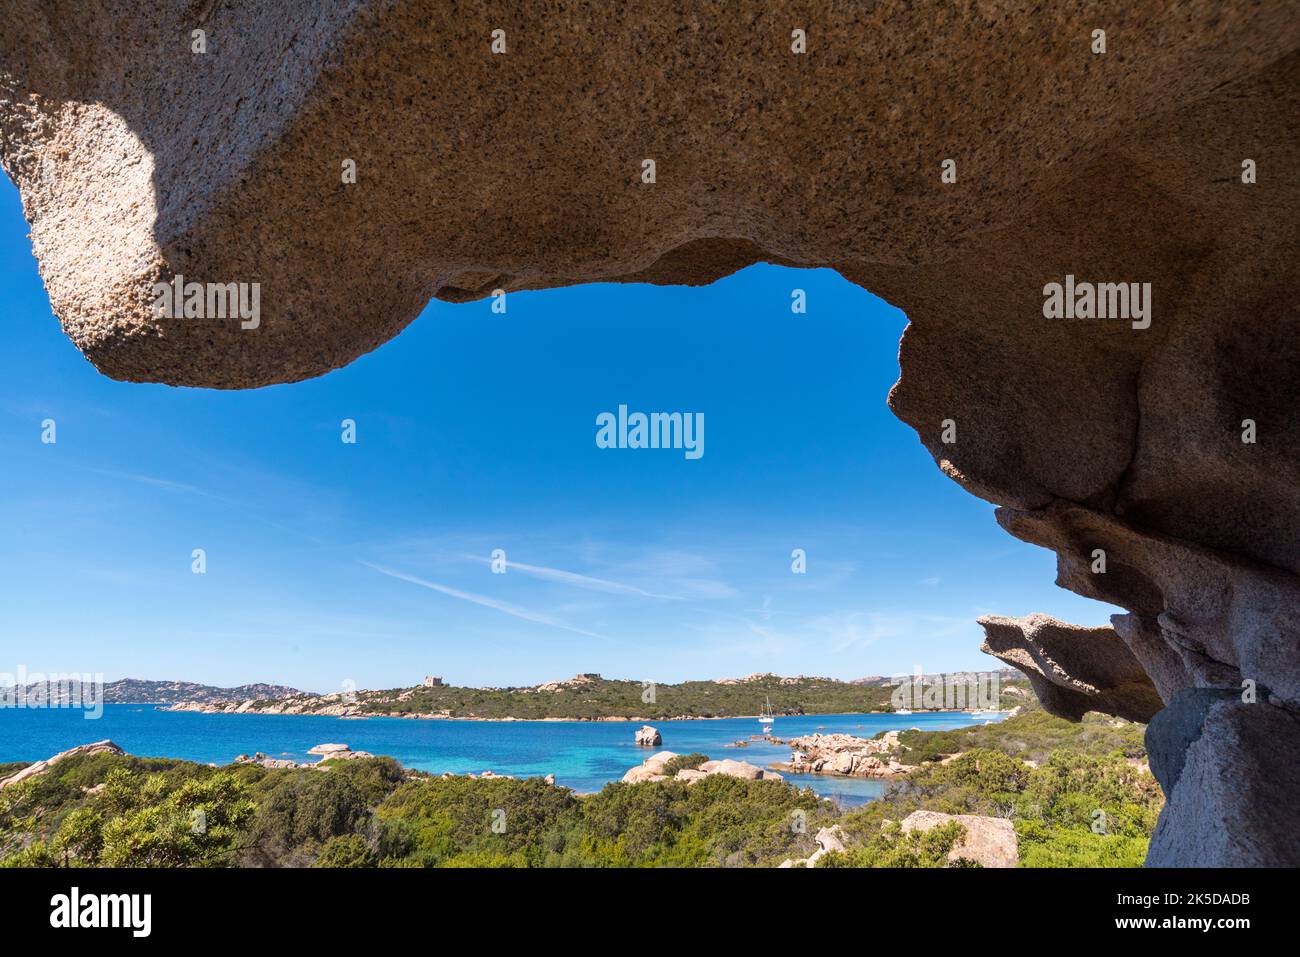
<point>589,697</point>
<point>137,691</point>
<point>890,681</point>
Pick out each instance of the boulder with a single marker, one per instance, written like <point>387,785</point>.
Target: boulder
<point>40,767</point>
<point>652,769</point>
<point>660,758</point>
<point>648,737</point>
<point>830,839</point>
<point>989,841</point>
<point>842,763</point>
<point>733,769</point>
<point>278,763</point>
<point>642,773</point>
<point>843,754</point>
<point>328,749</point>
<point>337,752</point>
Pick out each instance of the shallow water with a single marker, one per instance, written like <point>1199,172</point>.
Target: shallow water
<point>584,755</point>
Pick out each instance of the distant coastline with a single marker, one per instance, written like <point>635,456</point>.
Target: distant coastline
<point>583,698</point>
<point>209,709</point>
<point>191,708</point>
<point>591,697</point>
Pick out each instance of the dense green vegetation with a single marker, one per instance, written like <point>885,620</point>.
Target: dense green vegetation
<point>1083,801</point>
<point>596,697</point>
<point>888,846</point>
<point>1074,810</point>
<point>1032,735</point>
<point>117,811</point>
<point>1078,793</point>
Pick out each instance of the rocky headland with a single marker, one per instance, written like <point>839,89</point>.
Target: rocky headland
<point>845,755</point>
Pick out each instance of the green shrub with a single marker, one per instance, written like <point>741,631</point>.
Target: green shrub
<point>890,846</point>
<point>350,850</point>
<point>683,762</point>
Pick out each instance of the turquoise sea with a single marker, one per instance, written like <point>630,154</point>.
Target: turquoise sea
<point>583,755</point>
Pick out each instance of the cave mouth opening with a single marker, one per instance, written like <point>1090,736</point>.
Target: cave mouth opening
<point>789,523</point>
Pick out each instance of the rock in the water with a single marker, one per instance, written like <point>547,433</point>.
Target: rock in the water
<point>648,737</point>
<point>337,752</point>
<point>327,749</point>
<point>844,754</point>
<point>40,767</point>
<point>989,841</point>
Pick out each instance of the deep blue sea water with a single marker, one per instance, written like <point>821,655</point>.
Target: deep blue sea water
<point>584,755</point>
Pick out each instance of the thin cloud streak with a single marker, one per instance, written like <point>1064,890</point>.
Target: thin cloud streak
<point>501,606</point>
<point>202,493</point>
<point>579,581</point>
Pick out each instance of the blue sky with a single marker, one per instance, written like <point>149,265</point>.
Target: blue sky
<point>330,563</point>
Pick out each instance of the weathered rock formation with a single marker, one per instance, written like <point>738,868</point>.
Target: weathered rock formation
<point>326,752</point>
<point>988,841</point>
<point>1230,773</point>
<point>845,755</point>
<point>651,769</point>
<point>40,767</point>
<point>139,160</point>
<point>648,737</point>
<point>654,768</point>
<point>1054,654</point>
<point>337,752</point>
<point>828,839</point>
<point>738,769</point>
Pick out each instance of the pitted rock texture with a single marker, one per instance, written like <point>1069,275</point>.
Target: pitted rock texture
<point>988,841</point>
<point>1055,654</point>
<point>1200,618</point>
<point>138,159</point>
<point>1231,797</point>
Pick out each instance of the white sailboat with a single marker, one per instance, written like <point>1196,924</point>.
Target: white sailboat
<point>767,719</point>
